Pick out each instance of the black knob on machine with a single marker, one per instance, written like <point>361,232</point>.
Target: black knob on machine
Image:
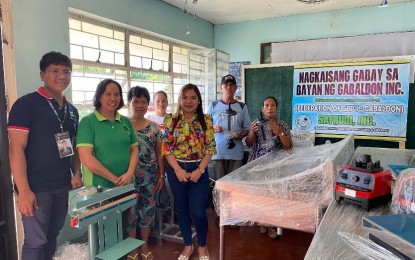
<point>366,180</point>
<point>355,178</point>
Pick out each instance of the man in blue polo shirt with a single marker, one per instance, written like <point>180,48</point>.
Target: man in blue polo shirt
<point>229,157</point>
<point>44,164</point>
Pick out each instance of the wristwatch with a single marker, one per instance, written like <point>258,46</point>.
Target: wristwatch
<point>282,134</point>
<point>202,171</point>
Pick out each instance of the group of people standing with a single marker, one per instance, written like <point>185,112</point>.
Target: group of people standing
<point>116,150</point>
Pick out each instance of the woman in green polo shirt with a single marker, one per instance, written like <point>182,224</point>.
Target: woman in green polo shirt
<point>106,141</point>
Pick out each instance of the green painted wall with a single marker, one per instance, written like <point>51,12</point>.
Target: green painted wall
<point>242,40</point>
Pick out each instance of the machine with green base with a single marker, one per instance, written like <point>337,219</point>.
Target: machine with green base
<point>101,211</point>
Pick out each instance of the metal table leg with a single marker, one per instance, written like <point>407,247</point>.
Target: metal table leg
<point>222,243</point>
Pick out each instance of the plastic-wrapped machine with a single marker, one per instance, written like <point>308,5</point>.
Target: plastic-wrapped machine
<point>329,241</point>
<point>287,188</point>
<point>303,138</point>
<point>403,197</point>
<point>340,234</point>
<point>365,248</point>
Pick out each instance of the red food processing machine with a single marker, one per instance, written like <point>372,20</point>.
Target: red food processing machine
<point>363,183</point>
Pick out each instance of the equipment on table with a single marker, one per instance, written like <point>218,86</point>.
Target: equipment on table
<point>363,183</point>
<point>395,233</point>
<point>403,199</point>
<point>264,131</point>
<point>101,211</point>
<point>229,125</point>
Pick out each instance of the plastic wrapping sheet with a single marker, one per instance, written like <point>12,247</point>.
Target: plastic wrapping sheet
<point>72,251</point>
<point>303,138</point>
<point>403,198</point>
<point>287,188</point>
<point>387,155</point>
<point>328,244</point>
<point>329,241</point>
<point>367,248</point>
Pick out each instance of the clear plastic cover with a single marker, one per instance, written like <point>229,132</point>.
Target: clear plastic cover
<point>403,198</point>
<point>366,248</point>
<point>288,188</point>
<point>303,138</point>
<point>72,251</point>
<point>340,234</point>
<point>328,242</point>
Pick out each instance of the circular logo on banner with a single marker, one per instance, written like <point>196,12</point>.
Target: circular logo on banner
<point>303,122</point>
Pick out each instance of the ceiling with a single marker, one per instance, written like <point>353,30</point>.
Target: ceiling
<point>231,11</point>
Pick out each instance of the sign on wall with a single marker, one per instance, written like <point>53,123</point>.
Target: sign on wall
<point>369,98</point>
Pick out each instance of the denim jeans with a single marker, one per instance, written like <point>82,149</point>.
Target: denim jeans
<point>191,202</point>
<point>42,229</point>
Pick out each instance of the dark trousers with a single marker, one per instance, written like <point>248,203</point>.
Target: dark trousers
<point>191,201</point>
<point>223,167</point>
<point>42,229</point>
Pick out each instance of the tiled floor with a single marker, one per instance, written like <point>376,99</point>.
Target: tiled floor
<point>245,243</point>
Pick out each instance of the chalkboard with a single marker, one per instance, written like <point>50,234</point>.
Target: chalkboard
<point>269,81</point>
<point>278,82</point>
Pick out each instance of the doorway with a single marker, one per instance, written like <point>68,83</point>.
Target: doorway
<point>8,242</point>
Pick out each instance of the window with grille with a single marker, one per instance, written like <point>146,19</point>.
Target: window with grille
<point>99,50</point>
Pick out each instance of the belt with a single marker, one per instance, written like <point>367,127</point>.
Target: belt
<point>188,161</point>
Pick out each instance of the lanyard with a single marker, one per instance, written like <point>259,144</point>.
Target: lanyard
<point>56,114</point>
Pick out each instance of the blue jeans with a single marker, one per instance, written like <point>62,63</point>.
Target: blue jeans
<point>191,202</point>
<point>42,229</point>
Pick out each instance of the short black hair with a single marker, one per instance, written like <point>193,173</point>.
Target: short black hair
<point>160,92</point>
<point>101,89</point>
<point>55,58</point>
<point>138,91</point>
<point>270,97</point>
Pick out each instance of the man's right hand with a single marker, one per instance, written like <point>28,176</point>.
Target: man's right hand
<point>217,129</point>
<point>27,203</point>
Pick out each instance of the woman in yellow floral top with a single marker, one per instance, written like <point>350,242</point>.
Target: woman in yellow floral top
<point>188,146</point>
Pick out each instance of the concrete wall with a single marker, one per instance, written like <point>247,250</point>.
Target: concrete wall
<point>242,40</point>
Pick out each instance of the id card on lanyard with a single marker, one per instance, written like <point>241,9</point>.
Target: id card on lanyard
<point>63,140</point>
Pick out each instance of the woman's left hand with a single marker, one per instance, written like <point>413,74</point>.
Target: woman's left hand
<point>275,129</point>
<point>195,175</point>
<point>123,180</point>
<point>160,184</point>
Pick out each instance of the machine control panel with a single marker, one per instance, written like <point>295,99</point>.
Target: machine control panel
<point>355,180</point>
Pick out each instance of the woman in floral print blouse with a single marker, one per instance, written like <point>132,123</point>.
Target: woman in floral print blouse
<point>188,146</point>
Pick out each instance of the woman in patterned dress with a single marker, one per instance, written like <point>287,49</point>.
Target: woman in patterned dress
<point>281,140</point>
<point>149,173</point>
